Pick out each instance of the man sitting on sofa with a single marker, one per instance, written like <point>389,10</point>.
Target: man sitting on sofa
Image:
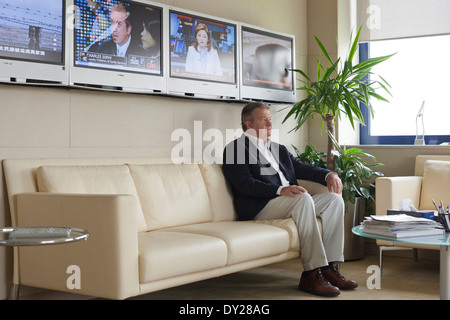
<point>263,176</point>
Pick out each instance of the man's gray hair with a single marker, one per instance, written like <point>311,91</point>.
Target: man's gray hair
<point>247,112</point>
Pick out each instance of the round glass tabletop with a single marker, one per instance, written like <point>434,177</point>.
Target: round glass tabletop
<point>440,240</point>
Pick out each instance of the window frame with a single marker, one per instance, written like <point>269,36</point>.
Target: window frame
<point>364,133</point>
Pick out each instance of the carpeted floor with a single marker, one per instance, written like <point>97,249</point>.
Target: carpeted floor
<point>402,279</point>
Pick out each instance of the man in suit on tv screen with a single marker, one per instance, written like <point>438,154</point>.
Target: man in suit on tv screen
<point>121,43</point>
<point>263,176</point>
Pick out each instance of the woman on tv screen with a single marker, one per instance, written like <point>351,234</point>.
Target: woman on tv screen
<point>201,56</point>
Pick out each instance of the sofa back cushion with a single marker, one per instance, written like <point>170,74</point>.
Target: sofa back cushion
<point>93,179</point>
<point>219,192</point>
<point>171,195</point>
<point>436,175</point>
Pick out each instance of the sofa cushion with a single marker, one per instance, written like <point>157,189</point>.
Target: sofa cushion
<point>245,240</point>
<point>435,184</point>
<point>102,179</point>
<point>290,227</point>
<point>168,254</point>
<point>219,192</point>
<point>171,194</point>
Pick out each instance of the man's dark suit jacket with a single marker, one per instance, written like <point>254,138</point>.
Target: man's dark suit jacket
<point>254,182</point>
<point>108,46</point>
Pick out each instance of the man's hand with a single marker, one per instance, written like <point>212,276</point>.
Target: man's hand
<point>292,191</point>
<point>334,183</point>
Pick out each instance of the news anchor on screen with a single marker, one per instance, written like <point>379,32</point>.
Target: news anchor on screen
<point>201,56</point>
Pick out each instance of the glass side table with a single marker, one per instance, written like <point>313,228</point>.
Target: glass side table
<point>39,236</point>
<point>443,241</point>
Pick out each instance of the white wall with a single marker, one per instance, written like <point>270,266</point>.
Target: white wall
<point>60,122</point>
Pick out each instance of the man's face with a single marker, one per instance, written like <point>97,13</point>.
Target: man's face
<point>261,124</point>
<point>119,30</point>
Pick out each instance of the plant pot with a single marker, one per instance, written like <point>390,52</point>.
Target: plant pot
<point>353,244</point>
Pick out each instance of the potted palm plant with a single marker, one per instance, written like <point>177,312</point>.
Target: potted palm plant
<point>338,91</point>
<point>341,89</point>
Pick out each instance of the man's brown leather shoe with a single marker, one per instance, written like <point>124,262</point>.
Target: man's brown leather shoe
<point>316,283</point>
<point>338,280</point>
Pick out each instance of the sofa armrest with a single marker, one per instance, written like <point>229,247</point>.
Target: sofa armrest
<point>107,260</point>
<point>390,190</point>
<point>313,187</point>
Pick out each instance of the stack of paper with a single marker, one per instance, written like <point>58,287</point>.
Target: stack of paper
<point>401,226</point>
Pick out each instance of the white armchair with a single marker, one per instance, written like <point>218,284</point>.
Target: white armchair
<point>430,181</point>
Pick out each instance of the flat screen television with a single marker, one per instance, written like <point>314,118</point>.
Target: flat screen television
<point>203,56</point>
<point>118,44</point>
<point>267,58</point>
<point>33,42</point>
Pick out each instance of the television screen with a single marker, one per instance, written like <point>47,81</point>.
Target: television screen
<point>32,30</point>
<point>266,60</point>
<point>118,35</point>
<point>202,48</point>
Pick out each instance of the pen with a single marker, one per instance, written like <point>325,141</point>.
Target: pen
<point>435,205</point>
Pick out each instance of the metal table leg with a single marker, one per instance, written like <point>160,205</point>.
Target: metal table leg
<point>444,273</point>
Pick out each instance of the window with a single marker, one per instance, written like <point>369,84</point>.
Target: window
<point>417,73</point>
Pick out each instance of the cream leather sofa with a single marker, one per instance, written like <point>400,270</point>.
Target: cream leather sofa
<point>152,224</point>
<point>430,181</point>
